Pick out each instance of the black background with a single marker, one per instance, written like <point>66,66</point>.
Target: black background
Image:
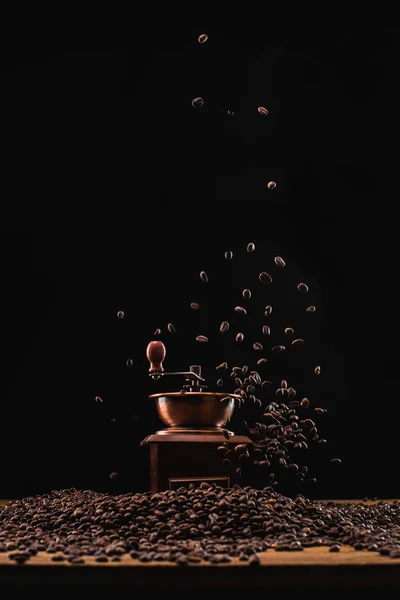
<point>121,192</point>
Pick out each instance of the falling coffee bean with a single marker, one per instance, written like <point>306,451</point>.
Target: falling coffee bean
<point>298,342</point>
<point>220,382</point>
<point>228,255</point>
<point>284,383</point>
<point>251,247</point>
<point>317,370</point>
<point>120,314</point>
<point>113,475</point>
<point>129,363</point>
<point>279,348</point>
<point>336,460</point>
<point>241,310</point>
<point>202,339</point>
<point>231,113</point>
<point>157,332</point>
<point>302,288</point>
<point>222,367</point>
<point>267,311</point>
<point>271,185</point>
<point>289,331</point>
<point>246,294</point>
<point>202,38</point>
<point>257,346</point>
<point>311,309</point>
<point>305,403</point>
<point>279,261</point>
<point>197,102</point>
<point>266,330</point>
<point>203,276</point>
<point>99,400</point>
<point>194,305</point>
<point>261,361</point>
<point>265,278</point>
<point>239,337</point>
<point>171,328</point>
<point>263,111</point>
<point>224,326</point>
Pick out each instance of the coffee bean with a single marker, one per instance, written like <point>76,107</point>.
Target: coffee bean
<point>220,382</point>
<point>224,326</point>
<point>171,328</point>
<point>203,276</point>
<point>228,255</point>
<point>302,288</point>
<point>279,261</point>
<point>257,346</point>
<point>113,475</point>
<point>239,337</point>
<point>194,305</point>
<point>317,370</point>
<point>298,342</point>
<point>202,38</point>
<point>120,314</point>
<point>261,361</point>
<point>265,278</point>
<point>263,111</point>
<point>305,403</point>
<point>241,310</point>
<point>246,294</point>
<point>197,102</point>
<point>289,331</point>
<point>251,247</point>
<point>99,400</point>
<point>284,383</point>
<point>157,332</point>
<point>271,185</point>
<point>278,349</point>
<point>222,366</point>
<point>334,548</point>
<point>129,363</point>
<point>238,381</point>
<point>266,330</point>
<point>202,339</point>
<point>267,311</point>
<point>335,460</point>
<point>265,384</point>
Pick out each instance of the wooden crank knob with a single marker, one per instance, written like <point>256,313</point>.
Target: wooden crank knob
<point>155,353</point>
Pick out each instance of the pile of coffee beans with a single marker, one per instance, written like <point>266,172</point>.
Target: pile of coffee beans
<point>203,523</point>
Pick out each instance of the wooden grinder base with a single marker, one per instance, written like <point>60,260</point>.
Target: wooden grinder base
<point>179,458</point>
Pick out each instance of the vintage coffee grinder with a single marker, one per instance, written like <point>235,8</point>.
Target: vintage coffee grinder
<point>185,452</point>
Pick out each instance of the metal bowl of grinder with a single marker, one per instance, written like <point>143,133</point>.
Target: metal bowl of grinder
<point>195,409</point>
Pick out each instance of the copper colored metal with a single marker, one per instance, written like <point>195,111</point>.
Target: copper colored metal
<point>195,409</point>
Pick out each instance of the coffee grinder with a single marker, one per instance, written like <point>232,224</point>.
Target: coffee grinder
<point>184,453</point>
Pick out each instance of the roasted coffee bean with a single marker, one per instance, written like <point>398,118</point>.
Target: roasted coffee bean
<point>239,337</point>
<point>334,548</point>
<point>197,102</point>
<point>271,185</point>
<point>222,366</point>
<point>278,348</point>
<point>284,384</point>
<point>251,247</point>
<point>266,330</point>
<point>298,342</point>
<point>289,331</point>
<point>317,370</point>
<point>202,38</point>
<point>99,400</point>
<point>279,261</point>
<point>228,255</point>
<point>194,305</point>
<point>335,460</point>
<point>129,363</point>
<point>113,475</point>
<point>220,382</point>
<point>246,294</point>
<point>267,311</point>
<point>231,113</point>
<point>202,339</point>
<point>311,309</point>
<point>322,441</point>
<point>224,326</point>
<point>238,381</point>
<point>305,403</point>
<point>120,314</point>
<point>241,310</point>
<point>302,288</point>
<point>257,346</point>
<point>157,332</point>
<point>171,328</point>
<point>263,111</point>
<point>261,361</point>
<point>203,276</point>
<point>265,278</point>
<point>265,384</point>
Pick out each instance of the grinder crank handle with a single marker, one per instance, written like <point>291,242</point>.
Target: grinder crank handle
<point>155,353</point>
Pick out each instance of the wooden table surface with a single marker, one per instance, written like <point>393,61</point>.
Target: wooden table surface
<point>313,568</point>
